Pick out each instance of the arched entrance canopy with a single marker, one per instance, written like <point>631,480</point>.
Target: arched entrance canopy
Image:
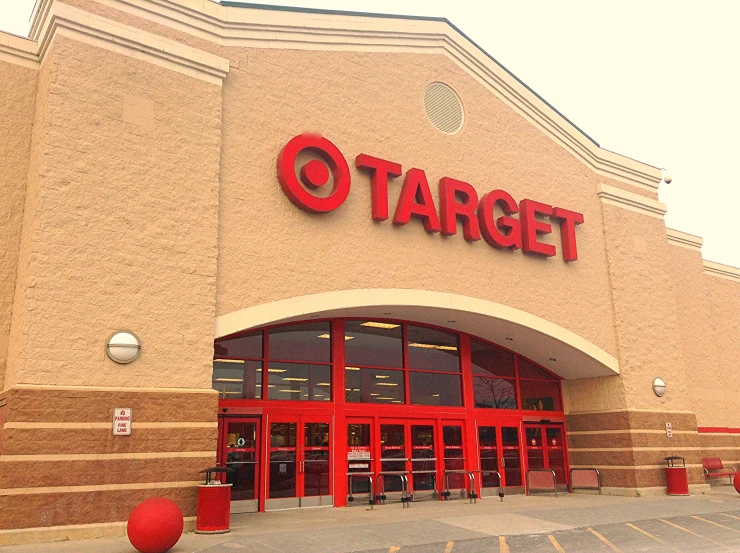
<point>531,336</point>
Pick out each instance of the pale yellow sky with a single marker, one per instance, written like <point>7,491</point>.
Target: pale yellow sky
<point>656,80</point>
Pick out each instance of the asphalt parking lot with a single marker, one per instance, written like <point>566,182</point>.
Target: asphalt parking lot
<point>569,523</point>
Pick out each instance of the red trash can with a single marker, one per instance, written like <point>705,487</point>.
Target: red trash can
<point>676,477</point>
<point>214,504</point>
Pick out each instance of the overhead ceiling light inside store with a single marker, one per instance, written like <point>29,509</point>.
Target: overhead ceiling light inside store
<point>379,325</point>
<point>327,336</point>
<point>432,346</point>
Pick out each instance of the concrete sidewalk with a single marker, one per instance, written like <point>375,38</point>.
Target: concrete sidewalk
<point>575,522</point>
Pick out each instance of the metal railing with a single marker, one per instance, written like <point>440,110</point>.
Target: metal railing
<point>380,495</point>
<point>472,494</point>
<point>369,476</point>
<point>487,473</point>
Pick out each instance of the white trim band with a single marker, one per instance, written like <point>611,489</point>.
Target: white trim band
<point>631,201</point>
<point>684,239</point>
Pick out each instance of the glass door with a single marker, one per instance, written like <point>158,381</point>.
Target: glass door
<point>299,463</point>
<point>359,459</point>
<point>240,447</point>
<point>454,458</point>
<point>511,458</point>
<point>423,462</point>
<point>499,450</point>
<point>546,450</point>
<point>393,455</point>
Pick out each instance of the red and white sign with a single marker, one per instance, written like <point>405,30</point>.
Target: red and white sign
<point>122,421</point>
<point>458,200</point>
<point>358,453</point>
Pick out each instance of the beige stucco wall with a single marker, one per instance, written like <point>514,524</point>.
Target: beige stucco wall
<point>713,408</point>
<point>121,231</point>
<point>153,205</point>
<point>646,317</point>
<point>17,99</point>
<point>696,333</point>
<point>372,103</point>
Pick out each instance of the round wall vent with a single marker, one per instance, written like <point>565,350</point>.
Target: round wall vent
<point>443,108</point>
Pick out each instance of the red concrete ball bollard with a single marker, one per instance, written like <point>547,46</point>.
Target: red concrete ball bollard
<point>155,525</point>
<point>736,482</point>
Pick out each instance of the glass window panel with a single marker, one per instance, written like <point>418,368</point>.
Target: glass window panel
<point>513,467</point>
<point>554,437</point>
<point>452,435</point>
<point>373,343</point>
<point>303,342</point>
<point>487,436</point>
<point>358,435</point>
<point>494,393</point>
<point>540,396</point>
<point>510,436</point>
<point>237,379</point>
<point>534,437</point>
<point>489,360</point>
<point>283,434</point>
<point>529,370</point>
<point>373,386</point>
<point>435,389</point>
<point>433,350</point>
<point>299,382</point>
<point>247,346</point>
<point>316,434</point>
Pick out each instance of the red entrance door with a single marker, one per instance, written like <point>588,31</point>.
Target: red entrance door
<point>500,450</point>
<point>299,462</point>
<point>240,452</point>
<point>546,449</point>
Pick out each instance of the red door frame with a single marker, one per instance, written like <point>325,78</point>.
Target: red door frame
<point>300,449</point>
<point>338,413</point>
<point>546,447</point>
<point>221,453</point>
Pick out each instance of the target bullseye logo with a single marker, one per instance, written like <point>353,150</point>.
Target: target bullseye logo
<point>313,174</point>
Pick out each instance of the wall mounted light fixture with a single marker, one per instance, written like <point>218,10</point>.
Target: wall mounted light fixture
<point>659,387</point>
<point>123,347</point>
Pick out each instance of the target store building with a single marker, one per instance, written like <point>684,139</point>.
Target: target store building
<point>304,245</point>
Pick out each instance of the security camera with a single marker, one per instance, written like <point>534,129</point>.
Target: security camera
<point>668,179</point>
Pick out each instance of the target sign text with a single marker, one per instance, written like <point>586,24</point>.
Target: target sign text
<point>459,201</point>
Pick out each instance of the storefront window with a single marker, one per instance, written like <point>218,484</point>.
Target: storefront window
<point>373,386</point>
<point>494,393</point>
<point>488,360</point>
<point>302,342</point>
<point>235,379</point>
<point>433,350</point>
<point>435,389</point>
<point>373,343</point>
<point>529,370</point>
<point>299,382</point>
<point>248,346</point>
<point>538,395</point>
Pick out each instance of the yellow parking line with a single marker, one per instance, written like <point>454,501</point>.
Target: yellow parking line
<point>717,524</point>
<point>394,549</point>
<point>692,533</point>
<point>503,547</point>
<point>731,516</point>
<point>606,541</point>
<point>555,543</point>
<point>449,547</point>
<point>649,535</point>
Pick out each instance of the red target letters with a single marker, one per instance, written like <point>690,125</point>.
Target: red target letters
<point>458,200</point>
